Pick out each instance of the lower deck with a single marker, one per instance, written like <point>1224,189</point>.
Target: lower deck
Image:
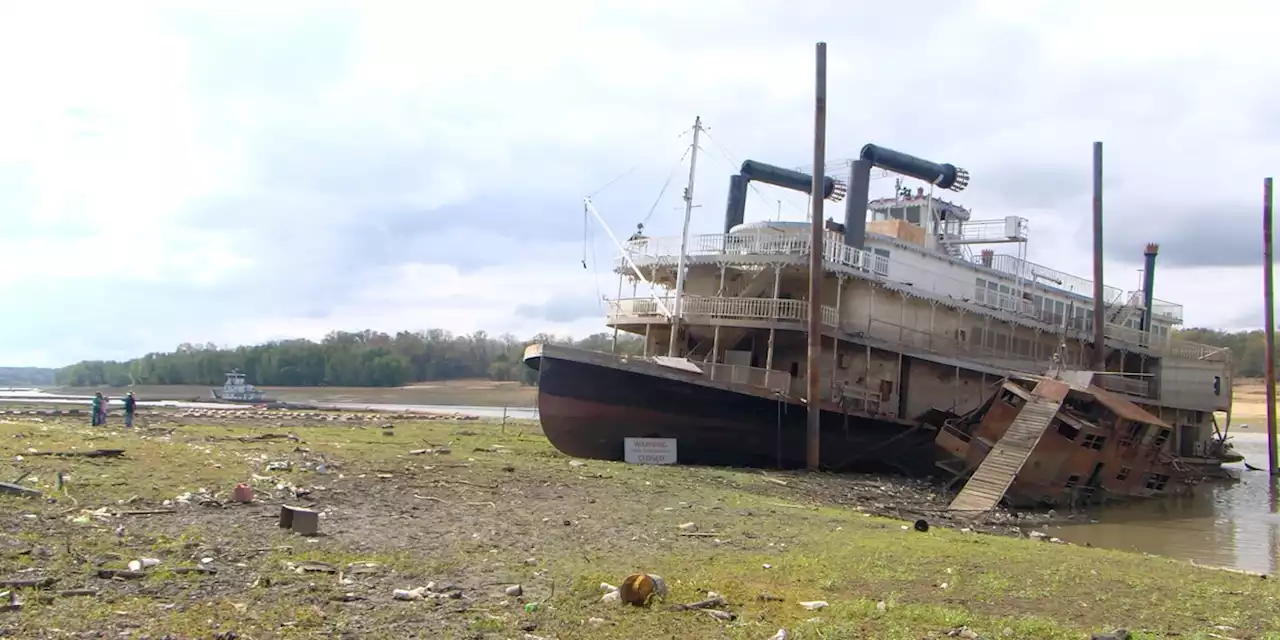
<point>879,376</point>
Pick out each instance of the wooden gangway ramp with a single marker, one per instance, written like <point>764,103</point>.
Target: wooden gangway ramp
<point>992,478</point>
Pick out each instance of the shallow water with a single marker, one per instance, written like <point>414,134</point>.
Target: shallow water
<point>1233,525</point>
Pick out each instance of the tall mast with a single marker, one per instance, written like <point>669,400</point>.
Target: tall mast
<point>678,305</point>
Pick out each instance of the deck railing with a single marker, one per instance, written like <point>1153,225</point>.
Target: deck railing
<point>778,381</point>
<point>1140,387</point>
<point>720,307</point>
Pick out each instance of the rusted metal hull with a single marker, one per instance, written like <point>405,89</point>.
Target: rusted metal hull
<point>1097,448</point>
<point>587,409</point>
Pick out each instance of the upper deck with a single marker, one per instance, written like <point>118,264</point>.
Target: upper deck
<point>1006,287</point>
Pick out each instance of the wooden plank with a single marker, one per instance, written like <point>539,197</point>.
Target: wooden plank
<point>1000,467</point>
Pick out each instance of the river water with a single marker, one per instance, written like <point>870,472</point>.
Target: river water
<point>1227,524</point>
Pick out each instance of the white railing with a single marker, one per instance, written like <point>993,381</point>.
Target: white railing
<point>779,381</point>
<point>1140,387</point>
<point>986,231</point>
<point>764,243</point>
<point>1029,271</point>
<point>721,307</point>
<point>1012,302</point>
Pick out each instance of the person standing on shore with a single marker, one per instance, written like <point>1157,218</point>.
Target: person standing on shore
<point>96,420</point>
<point>106,406</point>
<point>130,405</point>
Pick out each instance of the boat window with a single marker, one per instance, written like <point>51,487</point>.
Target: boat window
<point>1157,481</point>
<point>1072,481</point>
<point>1067,431</point>
<point>913,214</point>
<point>1161,438</point>
<point>1093,441</point>
<point>1124,473</point>
<point>795,369</point>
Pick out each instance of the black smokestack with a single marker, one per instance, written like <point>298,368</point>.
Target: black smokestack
<point>735,207</point>
<point>1148,284</point>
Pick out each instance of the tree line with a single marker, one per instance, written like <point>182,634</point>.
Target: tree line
<point>341,359</point>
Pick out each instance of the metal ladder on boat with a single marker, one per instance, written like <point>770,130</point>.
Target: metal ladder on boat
<point>1001,466</point>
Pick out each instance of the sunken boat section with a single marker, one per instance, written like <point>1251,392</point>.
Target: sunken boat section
<point>940,354</point>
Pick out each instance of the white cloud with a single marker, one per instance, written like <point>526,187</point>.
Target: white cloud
<point>236,172</point>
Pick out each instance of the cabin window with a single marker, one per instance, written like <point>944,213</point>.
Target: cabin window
<point>1157,481</point>
<point>1134,430</point>
<point>913,214</point>
<point>1124,473</point>
<point>1161,438</point>
<point>1072,481</point>
<point>795,369</point>
<point>1067,431</point>
<point>1093,441</point>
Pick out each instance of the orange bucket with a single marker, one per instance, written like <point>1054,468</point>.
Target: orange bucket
<point>637,589</point>
<point>242,493</point>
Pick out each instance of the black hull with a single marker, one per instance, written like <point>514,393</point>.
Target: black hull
<point>587,409</point>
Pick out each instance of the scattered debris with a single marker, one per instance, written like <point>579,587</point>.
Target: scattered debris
<point>514,591</point>
<point>95,453</point>
<point>963,632</point>
<point>19,490</point>
<point>781,635</point>
<point>302,521</point>
<point>311,567</point>
<point>815,605</point>
<point>713,601</point>
<point>688,527</point>
<point>639,588</point>
<point>242,493</point>
<point>1118,634</point>
<point>36,583</point>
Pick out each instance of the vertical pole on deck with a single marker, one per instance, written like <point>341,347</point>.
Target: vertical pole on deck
<point>1269,299</point>
<point>812,448</point>
<point>1099,304</point>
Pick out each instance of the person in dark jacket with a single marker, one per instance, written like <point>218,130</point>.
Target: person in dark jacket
<point>130,406</point>
<point>97,409</point>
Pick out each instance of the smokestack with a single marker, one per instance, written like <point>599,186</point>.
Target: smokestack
<point>988,256</point>
<point>736,205</point>
<point>1148,284</point>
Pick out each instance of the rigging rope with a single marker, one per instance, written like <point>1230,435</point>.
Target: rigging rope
<point>666,184</point>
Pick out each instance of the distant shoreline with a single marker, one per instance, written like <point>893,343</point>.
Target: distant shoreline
<point>471,393</point>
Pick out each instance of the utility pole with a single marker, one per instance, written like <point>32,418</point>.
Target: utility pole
<point>814,431</point>
<point>1099,303</point>
<point>1269,299</point>
<point>677,312</point>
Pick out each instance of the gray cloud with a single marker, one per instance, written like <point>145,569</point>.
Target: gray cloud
<point>563,309</point>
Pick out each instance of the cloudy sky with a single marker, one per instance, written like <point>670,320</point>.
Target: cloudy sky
<point>238,172</point>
